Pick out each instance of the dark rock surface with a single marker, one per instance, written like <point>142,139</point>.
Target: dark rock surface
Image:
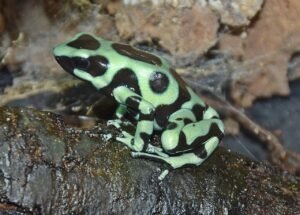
<point>48,168</point>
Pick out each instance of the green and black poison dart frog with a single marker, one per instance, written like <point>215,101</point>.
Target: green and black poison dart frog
<point>145,85</point>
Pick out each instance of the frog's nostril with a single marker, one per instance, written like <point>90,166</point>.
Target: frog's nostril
<point>57,58</point>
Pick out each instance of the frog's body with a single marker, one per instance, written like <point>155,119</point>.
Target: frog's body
<point>146,86</point>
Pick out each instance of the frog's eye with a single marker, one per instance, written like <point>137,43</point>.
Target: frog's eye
<point>81,63</point>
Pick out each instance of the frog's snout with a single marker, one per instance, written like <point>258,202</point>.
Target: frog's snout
<point>66,63</point>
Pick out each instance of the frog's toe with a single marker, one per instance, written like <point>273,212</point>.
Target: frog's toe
<point>156,150</point>
<point>127,135</point>
<point>114,122</point>
<point>126,140</point>
<point>134,154</point>
<point>163,174</point>
<point>152,148</point>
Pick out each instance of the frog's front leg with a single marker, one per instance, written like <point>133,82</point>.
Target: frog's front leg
<point>120,112</point>
<point>144,128</point>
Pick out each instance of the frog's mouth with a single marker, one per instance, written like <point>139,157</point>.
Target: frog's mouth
<point>66,63</point>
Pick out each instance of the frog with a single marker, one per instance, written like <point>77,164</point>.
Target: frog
<point>148,88</point>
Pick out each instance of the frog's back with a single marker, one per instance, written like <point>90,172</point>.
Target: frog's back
<point>148,75</point>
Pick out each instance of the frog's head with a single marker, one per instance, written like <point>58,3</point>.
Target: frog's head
<point>79,57</point>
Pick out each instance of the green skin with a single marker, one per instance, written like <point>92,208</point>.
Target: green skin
<point>146,86</point>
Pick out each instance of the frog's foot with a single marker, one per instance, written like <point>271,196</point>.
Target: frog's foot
<point>156,150</point>
<point>163,157</point>
<point>114,122</point>
<point>127,139</point>
<point>175,161</point>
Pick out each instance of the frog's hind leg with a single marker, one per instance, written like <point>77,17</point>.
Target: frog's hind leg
<point>177,161</point>
<point>190,142</point>
<point>189,158</point>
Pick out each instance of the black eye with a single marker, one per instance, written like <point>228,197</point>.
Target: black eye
<point>82,63</point>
